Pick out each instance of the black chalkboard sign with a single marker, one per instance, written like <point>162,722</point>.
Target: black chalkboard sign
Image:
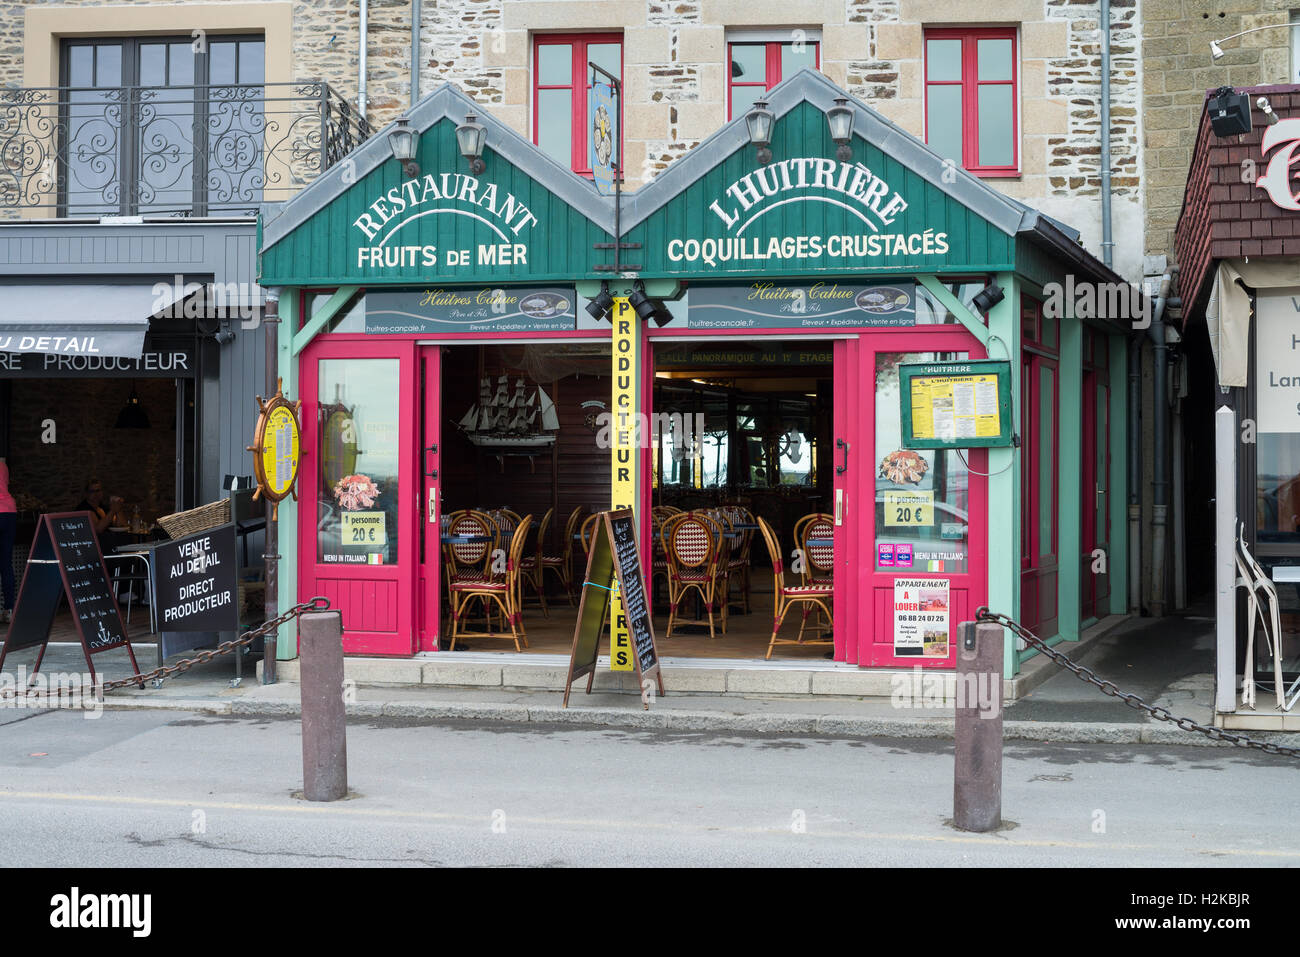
<point>614,561</point>
<point>65,560</point>
<point>195,582</point>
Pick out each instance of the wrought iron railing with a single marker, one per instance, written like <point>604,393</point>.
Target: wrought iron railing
<point>167,151</point>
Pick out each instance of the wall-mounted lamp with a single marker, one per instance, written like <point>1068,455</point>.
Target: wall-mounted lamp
<point>988,297</point>
<point>840,119</point>
<point>403,141</point>
<point>1216,51</point>
<point>759,121</point>
<point>470,137</point>
<point>600,306</point>
<point>1267,109</point>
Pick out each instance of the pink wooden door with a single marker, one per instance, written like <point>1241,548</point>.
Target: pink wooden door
<point>428,589</point>
<point>358,537</point>
<point>945,545</point>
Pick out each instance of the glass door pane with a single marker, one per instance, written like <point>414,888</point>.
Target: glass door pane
<point>357,511</point>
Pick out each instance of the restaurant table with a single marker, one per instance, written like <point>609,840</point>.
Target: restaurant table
<point>820,542</point>
<point>1286,574</point>
<point>465,539</point>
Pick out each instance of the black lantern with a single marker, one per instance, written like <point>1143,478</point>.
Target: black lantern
<point>402,140</point>
<point>133,415</point>
<point>470,137</point>
<point>840,119</point>
<point>1229,112</point>
<point>759,121</point>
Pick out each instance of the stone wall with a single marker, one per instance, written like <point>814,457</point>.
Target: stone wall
<point>1178,70</point>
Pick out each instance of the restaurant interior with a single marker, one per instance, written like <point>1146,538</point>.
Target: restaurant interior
<point>740,442</point>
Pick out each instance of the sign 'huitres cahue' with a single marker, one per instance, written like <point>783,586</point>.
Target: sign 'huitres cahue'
<point>774,305</point>
<point>442,310</point>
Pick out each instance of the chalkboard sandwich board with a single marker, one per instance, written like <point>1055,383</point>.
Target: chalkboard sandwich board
<point>614,562</point>
<point>65,560</point>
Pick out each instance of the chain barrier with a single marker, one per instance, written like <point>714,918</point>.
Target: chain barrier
<point>1083,673</point>
<point>185,664</point>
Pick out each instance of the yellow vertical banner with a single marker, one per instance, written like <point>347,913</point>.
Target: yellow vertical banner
<point>623,457</point>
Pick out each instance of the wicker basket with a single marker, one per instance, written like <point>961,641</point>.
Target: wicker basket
<point>182,524</point>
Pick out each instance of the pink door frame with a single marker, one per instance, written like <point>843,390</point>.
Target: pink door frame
<point>869,603</point>
<point>377,601</point>
<point>428,598</point>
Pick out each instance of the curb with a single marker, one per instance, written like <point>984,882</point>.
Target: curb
<point>1059,732</point>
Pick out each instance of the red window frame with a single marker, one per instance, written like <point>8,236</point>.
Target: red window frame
<point>578,85</point>
<point>771,67</point>
<point>970,84</point>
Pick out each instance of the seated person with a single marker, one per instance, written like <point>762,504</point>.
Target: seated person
<point>102,519</point>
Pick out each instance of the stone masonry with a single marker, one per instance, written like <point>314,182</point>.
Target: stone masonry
<point>1178,70</point>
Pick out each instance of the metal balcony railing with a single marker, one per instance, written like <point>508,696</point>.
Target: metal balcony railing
<point>167,151</point>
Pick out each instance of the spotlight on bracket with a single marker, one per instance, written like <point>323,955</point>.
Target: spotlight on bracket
<point>988,297</point>
<point>647,308</point>
<point>600,307</point>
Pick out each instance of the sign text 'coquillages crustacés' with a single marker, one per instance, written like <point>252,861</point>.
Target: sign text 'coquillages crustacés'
<point>851,187</point>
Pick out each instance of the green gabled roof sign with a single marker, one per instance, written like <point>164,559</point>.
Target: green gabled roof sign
<point>366,222</point>
<point>895,208</point>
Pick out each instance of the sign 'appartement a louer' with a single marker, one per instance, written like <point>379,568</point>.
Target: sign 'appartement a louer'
<point>454,194</point>
<point>852,187</point>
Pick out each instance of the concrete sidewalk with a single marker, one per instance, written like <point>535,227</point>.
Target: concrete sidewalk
<point>1167,662</point>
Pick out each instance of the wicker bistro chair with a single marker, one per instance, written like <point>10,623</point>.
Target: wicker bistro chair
<point>468,561</point>
<point>818,560</point>
<point>692,546</point>
<point>589,526</point>
<point>506,591</point>
<point>785,597</point>
<point>531,563</point>
<point>562,564</point>
<point>738,564</point>
<point>721,527</point>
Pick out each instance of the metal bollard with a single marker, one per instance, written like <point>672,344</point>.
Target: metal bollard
<point>977,779</point>
<point>324,726</point>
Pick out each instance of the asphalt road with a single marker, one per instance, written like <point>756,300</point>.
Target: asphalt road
<point>178,789</point>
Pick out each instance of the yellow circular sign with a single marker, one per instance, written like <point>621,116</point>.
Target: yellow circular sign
<point>280,441</point>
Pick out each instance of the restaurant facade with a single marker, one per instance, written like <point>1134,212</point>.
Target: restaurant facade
<point>786,303</point>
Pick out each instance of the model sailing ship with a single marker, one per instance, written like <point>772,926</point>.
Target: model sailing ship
<point>504,421</point>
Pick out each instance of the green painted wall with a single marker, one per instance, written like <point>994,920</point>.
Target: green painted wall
<point>1070,477</point>
<point>324,250</point>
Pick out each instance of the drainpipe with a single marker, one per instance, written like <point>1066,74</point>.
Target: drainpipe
<point>417,14</point>
<point>1135,473</point>
<point>362,100</point>
<point>1160,469</point>
<point>1107,242</point>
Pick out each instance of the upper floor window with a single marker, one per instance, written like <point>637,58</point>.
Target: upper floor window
<point>561,82</point>
<point>760,64</point>
<point>161,124</point>
<point>971,98</point>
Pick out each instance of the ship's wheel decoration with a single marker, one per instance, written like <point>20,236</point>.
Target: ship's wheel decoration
<point>276,448</point>
<point>602,134</point>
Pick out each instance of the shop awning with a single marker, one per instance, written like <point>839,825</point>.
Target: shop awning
<point>78,319</point>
